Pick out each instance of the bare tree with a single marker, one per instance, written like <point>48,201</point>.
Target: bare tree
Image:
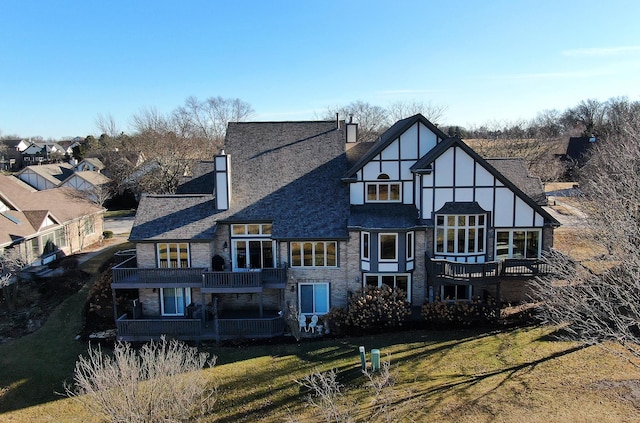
<point>106,124</point>
<point>372,120</point>
<point>11,262</point>
<point>163,381</point>
<point>404,109</point>
<point>601,301</point>
<point>589,115</point>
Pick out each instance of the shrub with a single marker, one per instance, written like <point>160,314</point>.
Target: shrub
<point>107,234</point>
<point>462,313</point>
<point>163,381</point>
<point>371,310</point>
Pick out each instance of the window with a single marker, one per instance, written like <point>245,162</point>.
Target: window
<point>174,301</point>
<point>364,246</point>
<point>383,190</point>
<point>401,281</point>
<point>455,292</point>
<point>173,255</point>
<point>313,298</point>
<point>460,234</point>
<point>89,226</point>
<point>253,254</point>
<point>253,247</point>
<point>518,243</point>
<point>314,254</point>
<point>251,229</point>
<point>388,247</point>
<point>61,237</point>
<point>410,248</point>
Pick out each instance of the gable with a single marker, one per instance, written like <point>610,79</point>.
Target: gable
<point>453,172</point>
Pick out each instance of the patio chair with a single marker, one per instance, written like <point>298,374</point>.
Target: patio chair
<point>314,323</point>
<point>302,321</point>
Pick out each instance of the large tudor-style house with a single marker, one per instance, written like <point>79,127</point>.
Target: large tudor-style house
<point>298,216</point>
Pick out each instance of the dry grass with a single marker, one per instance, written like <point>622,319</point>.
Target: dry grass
<point>455,376</point>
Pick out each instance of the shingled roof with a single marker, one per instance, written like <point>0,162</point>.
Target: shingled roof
<point>516,171</point>
<point>54,173</point>
<point>289,173</point>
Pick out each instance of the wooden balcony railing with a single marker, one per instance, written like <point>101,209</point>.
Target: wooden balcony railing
<point>148,329</point>
<point>131,276</point>
<point>250,328</point>
<point>446,270</point>
<point>272,277</point>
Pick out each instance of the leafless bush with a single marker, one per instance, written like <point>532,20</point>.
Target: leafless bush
<point>325,395</point>
<point>382,384</point>
<point>163,381</point>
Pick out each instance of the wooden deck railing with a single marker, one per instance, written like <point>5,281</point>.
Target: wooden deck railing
<point>251,279</point>
<point>191,276</point>
<point>192,329</point>
<point>447,270</point>
<point>148,329</point>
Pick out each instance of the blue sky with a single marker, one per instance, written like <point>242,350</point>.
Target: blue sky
<point>62,63</point>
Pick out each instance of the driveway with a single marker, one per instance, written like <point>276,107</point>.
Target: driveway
<point>118,225</point>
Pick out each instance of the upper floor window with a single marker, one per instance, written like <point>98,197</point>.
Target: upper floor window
<point>518,243</point>
<point>314,254</point>
<point>251,229</point>
<point>383,190</point>
<point>173,255</point>
<point>460,234</point>
<point>388,247</point>
<point>410,249</point>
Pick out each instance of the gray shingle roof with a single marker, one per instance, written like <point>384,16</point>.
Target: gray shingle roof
<point>516,171</point>
<point>384,216</point>
<point>289,173</point>
<point>174,217</point>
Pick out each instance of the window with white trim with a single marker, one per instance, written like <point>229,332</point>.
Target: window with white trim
<point>460,234</point>
<point>365,246</point>
<point>518,243</point>
<point>397,280</point>
<point>313,298</point>
<point>251,229</point>
<point>174,301</point>
<point>252,246</point>
<point>173,255</point>
<point>456,292</point>
<point>410,246</point>
<point>314,254</point>
<point>383,190</point>
<point>388,247</point>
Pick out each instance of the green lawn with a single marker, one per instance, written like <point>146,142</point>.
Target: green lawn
<point>520,375</point>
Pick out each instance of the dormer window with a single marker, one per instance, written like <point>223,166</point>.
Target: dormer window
<point>383,190</point>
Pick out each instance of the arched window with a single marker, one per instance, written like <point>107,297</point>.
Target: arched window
<point>383,176</point>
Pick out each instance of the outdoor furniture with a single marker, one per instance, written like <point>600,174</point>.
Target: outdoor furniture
<point>314,323</point>
<point>302,321</point>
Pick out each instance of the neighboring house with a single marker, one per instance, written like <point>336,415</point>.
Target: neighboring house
<point>92,184</point>
<point>92,164</point>
<point>43,152</point>
<point>11,153</point>
<point>296,215</point>
<point>47,176</point>
<point>46,224</point>
<point>577,154</point>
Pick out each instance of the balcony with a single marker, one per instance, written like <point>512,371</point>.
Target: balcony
<point>446,271</point>
<point>126,275</point>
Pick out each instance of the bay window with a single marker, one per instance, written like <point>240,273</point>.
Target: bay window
<point>401,281</point>
<point>388,247</point>
<point>460,234</point>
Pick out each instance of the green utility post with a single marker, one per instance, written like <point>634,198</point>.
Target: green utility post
<point>375,360</point>
<point>363,358</point>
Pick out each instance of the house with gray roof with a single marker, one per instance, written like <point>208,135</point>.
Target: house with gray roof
<point>297,216</point>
